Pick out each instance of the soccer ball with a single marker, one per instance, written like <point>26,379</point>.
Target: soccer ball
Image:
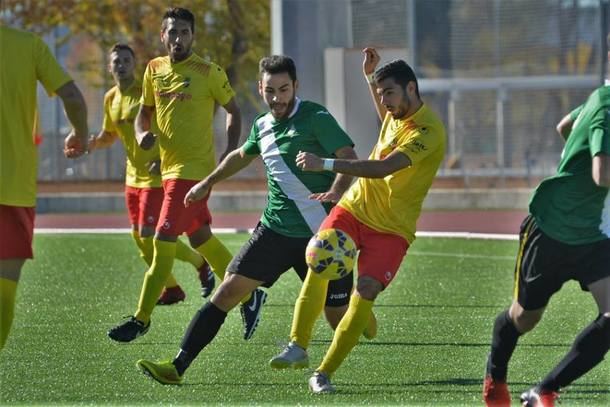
<point>330,253</point>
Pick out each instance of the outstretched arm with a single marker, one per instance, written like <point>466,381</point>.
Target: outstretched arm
<point>370,62</point>
<point>342,181</point>
<point>358,168</point>
<point>234,162</point>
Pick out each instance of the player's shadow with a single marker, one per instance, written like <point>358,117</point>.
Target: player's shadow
<point>578,391</point>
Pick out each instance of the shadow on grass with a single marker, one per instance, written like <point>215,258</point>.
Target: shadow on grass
<point>452,344</point>
<point>442,306</point>
<point>577,391</point>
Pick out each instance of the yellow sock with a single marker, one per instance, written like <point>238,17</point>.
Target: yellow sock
<point>217,256</point>
<point>188,254</point>
<point>347,334</point>
<point>171,281</point>
<point>155,278</point>
<point>8,292</point>
<point>146,252</point>
<point>308,308</point>
<point>146,248</point>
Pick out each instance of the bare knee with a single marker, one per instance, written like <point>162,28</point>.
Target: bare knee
<point>200,236</point>
<point>226,296</point>
<point>525,320</point>
<point>232,290</point>
<point>368,288</point>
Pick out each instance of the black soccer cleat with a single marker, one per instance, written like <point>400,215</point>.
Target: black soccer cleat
<point>207,280</point>
<point>251,312</point>
<point>128,330</point>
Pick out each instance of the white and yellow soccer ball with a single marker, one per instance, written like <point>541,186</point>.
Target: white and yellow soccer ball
<point>331,254</point>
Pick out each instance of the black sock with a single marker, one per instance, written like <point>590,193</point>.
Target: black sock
<point>587,351</point>
<point>203,328</point>
<point>503,342</point>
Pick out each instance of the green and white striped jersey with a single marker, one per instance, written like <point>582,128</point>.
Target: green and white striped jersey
<point>310,128</point>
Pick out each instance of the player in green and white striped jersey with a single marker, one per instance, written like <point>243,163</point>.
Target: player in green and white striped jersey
<point>293,213</point>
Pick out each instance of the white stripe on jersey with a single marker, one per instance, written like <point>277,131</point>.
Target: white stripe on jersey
<point>312,211</point>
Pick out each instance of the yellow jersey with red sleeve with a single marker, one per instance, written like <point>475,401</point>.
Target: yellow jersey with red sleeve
<point>26,59</point>
<point>120,111</point>
<point>184,95</point>
<point>393,204</point>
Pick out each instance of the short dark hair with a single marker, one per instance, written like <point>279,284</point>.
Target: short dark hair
<point>119,46</point>
<point>178,13</point>
<point>278,64</point>
<point>398,70</point>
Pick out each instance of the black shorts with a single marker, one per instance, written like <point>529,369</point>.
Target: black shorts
<point>544,264</point>
<point>268,254</point>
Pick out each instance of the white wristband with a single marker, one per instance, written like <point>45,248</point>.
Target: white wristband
<point>370,78</point>
<point>328,164</point>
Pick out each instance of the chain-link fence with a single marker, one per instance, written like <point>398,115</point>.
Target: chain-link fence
<point>501,73</point>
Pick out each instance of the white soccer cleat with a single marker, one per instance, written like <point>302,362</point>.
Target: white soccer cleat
<point>293,356</point>
<point>319,383</point>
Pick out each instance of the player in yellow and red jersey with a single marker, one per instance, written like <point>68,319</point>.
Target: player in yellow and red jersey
<point>379,211</point>
<point>26,60</point>
<point>143,190</point>
<point>180,91</point>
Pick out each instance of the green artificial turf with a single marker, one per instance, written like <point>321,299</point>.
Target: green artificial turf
<point>434,331</point>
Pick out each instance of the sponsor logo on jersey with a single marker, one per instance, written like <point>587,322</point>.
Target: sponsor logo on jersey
<point>180,96</point>
<point>291,132</point>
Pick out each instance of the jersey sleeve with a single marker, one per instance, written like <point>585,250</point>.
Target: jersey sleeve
<point>148,95</point>
<point>221,89</point>
<point>328,132</point>
<point>48,71</point>
<point>424,142</point>
<point>107,124</point>
<point>250,146</point>
<point>599,134</point>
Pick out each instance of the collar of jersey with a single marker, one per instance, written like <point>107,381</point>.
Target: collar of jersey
<point>129,88</point>
<point>408,119</point>
<point>193,55</point>
<point>297,103</point>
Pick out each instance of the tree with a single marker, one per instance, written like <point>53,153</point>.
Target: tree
<point>233,33</point>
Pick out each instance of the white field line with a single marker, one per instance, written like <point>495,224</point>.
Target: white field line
<point>459,235</point>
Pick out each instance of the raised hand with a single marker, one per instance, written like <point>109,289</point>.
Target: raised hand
<point>371,60</point>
